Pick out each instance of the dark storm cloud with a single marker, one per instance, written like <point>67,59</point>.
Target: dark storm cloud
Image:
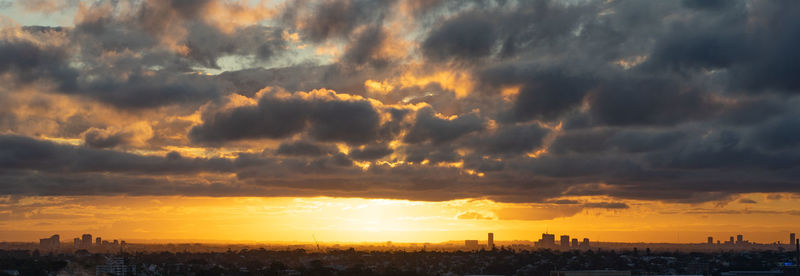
<point>626,141</point>
<point>354,122</point>
<point>334,18</point>
<point>432,153</point>
<point>207,44</point>
<point>606,205</point>
<point>140,90</point>
<point>513,139</point>
<point>648,102</point>
<point>370,152</point>
<point>302,148</point>
<point>366,44</point>
<point>327,119</point>
<point>779,134</point>
<point>340,77</point>
<point>29,62</point>
<point>23,153</point>
<point>747,201</point>
<point>465,37</point>
<point>271,118</point>
<point>429,127</point>
<point>754,58</point>
<point>545,93</point>
<point>98,139</point>
<point>563,201</point>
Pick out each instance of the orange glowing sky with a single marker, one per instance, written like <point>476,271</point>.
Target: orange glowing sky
<point>256,219</point>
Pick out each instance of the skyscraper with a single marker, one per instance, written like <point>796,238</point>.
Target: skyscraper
<point>491,241</point>
<point>565,241</point>
<point>791,239</point>
<point>98,241</point>
<point>53,242</point>
<point>710,240</point>
<point>739,238</point>
<point>575,243</point>
<point>547,240</point>
<point>86,241</point>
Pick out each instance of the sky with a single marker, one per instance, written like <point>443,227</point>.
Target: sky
<point>409,121</point>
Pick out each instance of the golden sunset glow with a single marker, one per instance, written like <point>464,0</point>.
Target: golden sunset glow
<point>352,220</point>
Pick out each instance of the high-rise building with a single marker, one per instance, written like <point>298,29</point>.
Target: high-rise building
<point>791,238</point>
<point>731,240</point>
<point>547,240</point>
<point>585,243</point>
<point>86,241</point>
<point>98,241</point>
<point>77,242</point>
<point>490,243</point>
<point>710,240</point>
<point>565,241</point>
<point>53,242</point>
<point>575,242</point>
<point>739,238</point>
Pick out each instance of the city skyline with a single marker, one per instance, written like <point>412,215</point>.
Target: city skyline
<point>400,120</point>
<point>547,240</point>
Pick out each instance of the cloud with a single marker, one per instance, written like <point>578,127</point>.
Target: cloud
<point>473,215</point>
<point>321,20</point>
<point>606,205</point>
<point>429,127</point>
<point>326,115</point>
<point>680,101</point>
<point>370,152</point>
<point>23,153</point>
<point>464,37</point>
<point>302,148</point>
<point>747,201</point>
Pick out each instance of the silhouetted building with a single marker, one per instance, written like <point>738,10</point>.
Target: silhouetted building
<point>98,241</point>
<point>116,242</point>
<point>547,240</point>
<point>490,242</point>
<point>86,241</point>
<point>731,241</point>
<point>585,243</point>
<point>791,239</point>
<point>739,239</point>
<point>471,244</point>
<point>710,240</point>
<point>575,243</point>
<point>53,242</point>
<point>77,242</point>
<point>565,241</point>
